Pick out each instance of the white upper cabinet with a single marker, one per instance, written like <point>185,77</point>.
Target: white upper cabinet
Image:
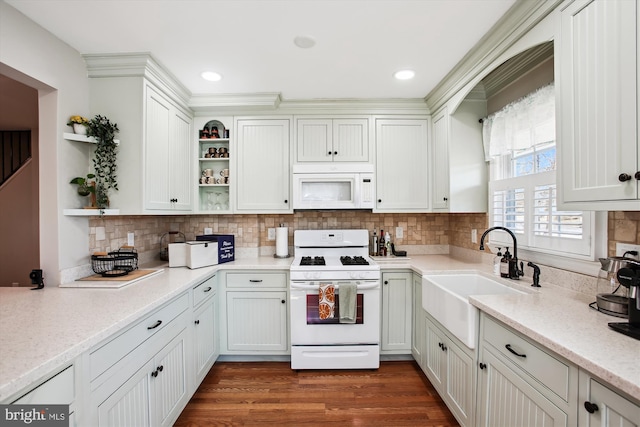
<point>402,165</point>
<point>459,168</point>
<point>596,80</point>
<point>332,140</point>
<point>263,165</point>
<point>167,154</point>
<point>154,157</point>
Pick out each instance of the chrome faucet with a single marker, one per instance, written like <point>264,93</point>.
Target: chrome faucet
<point>514,271</point>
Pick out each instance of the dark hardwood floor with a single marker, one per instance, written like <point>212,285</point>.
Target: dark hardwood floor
<point>270,393</point>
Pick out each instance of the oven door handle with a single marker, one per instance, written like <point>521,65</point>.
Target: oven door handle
<point>361,287</point>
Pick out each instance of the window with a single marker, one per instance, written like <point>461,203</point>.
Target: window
<point>521,150</point>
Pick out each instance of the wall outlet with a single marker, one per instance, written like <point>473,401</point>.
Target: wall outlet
<point>621,248</point>
<point>208,230</point>
<point>474,236</point>
<point>271,234</point>
<point>130,239</point>
<point>399,233</point>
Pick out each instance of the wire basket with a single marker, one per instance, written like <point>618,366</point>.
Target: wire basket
<point>116,263</point>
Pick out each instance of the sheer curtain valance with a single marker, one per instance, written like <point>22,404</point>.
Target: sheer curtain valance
<point>521,125</point>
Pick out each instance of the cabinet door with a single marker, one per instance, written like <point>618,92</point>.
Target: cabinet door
<point>506,399</point>
<point>170,383</point>
<point>597,114</point>
<point>257,322</point>
<point>205,339</point>
<point>402,165</point>
<point>314,140</point>
<point>397,292</point>
<point>435,357</point>
<point>264,169</point>
<point>459,383</point>
<point>441,160</point>
<point>167,155</point>
<point>351,140</point>
<point>179,166</point>
<point>612,409</point>
<point>417,323</point>
<point>129,405</point>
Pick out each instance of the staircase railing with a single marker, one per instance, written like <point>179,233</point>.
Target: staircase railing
<point>16,151</point>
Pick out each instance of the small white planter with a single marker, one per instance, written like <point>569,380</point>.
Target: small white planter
<point>79,129</point>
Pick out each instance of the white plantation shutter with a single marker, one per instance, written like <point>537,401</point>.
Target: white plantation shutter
<point>520,146</point>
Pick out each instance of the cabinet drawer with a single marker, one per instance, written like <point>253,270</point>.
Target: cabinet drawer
<point>204,290</point>
<point>253,280</point>
<point>546,369</point>
<point>59,390</point>
<point>108,354</point>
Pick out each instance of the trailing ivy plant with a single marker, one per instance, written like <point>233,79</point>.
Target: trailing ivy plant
<point>104,162</point>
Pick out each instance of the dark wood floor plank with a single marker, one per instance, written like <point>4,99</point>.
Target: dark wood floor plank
<point>271,394</point>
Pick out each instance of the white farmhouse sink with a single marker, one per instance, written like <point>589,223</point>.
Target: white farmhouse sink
<point>445,297</point>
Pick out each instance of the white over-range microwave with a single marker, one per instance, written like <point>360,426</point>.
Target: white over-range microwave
<point>341,186</point>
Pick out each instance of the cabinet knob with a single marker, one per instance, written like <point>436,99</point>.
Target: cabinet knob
<point>637,176</point>
<point>154,374</point>
<point>283,301</point>
<point>335,153</point>
<point>590,407</point>
<point>160,368</point>
<point>445,199</point>
<point>624,177</point>
<point>329,153</point>
<point>379,200</point>
<point>482,365</point>
<point>286,201</point>
<point>386,282</point>
<point>197,322</point>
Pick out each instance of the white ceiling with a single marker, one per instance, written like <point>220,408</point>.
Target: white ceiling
<point>359,43</point>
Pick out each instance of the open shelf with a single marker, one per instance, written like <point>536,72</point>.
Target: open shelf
<point>90,212</point>
<point>83,138</point>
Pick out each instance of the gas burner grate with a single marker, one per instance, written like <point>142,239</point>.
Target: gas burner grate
<point>356,260</point>
<point>307,260</point>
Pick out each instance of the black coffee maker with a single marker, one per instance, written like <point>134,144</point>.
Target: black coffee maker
<point>630,276</point>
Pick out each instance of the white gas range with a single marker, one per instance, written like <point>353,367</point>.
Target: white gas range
<point>330,328</point>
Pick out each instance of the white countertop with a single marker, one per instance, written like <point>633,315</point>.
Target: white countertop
<point>42,330</point>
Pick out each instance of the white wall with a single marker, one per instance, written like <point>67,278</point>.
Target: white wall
<point>33,56</point>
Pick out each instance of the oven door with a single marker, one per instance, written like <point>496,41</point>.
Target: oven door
<point>308,329</point>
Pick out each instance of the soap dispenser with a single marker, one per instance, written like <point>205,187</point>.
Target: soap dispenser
<point>496,263</point>
<point>504,263</point>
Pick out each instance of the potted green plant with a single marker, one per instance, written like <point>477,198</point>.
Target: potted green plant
<point>104,161</point>
<point>85,185</point>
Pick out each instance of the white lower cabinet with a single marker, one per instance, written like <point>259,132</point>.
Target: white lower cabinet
<point>154,395</point>
<point>205,328</point>
<point>397,297</point>
<point>417,322</point>
<point>450,367</point>
<point>601,406</point>
<point>255,314</point>
<point>520,383</point>
<point>140,376</point>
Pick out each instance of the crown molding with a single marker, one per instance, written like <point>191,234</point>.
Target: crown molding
<point>224,103</point>
<point>136,64</point>
<point>518,20</point>
<point>516,67</point>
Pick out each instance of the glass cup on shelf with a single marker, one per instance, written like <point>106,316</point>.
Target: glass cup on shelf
<point>217,206</point>
<point>210,200</point>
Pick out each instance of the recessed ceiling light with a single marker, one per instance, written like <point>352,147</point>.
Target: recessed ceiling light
<point>404,74</point>
<point>211,76</point>
<point>304,42</point>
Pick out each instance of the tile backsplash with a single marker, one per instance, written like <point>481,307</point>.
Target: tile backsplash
<point>420,230</point>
